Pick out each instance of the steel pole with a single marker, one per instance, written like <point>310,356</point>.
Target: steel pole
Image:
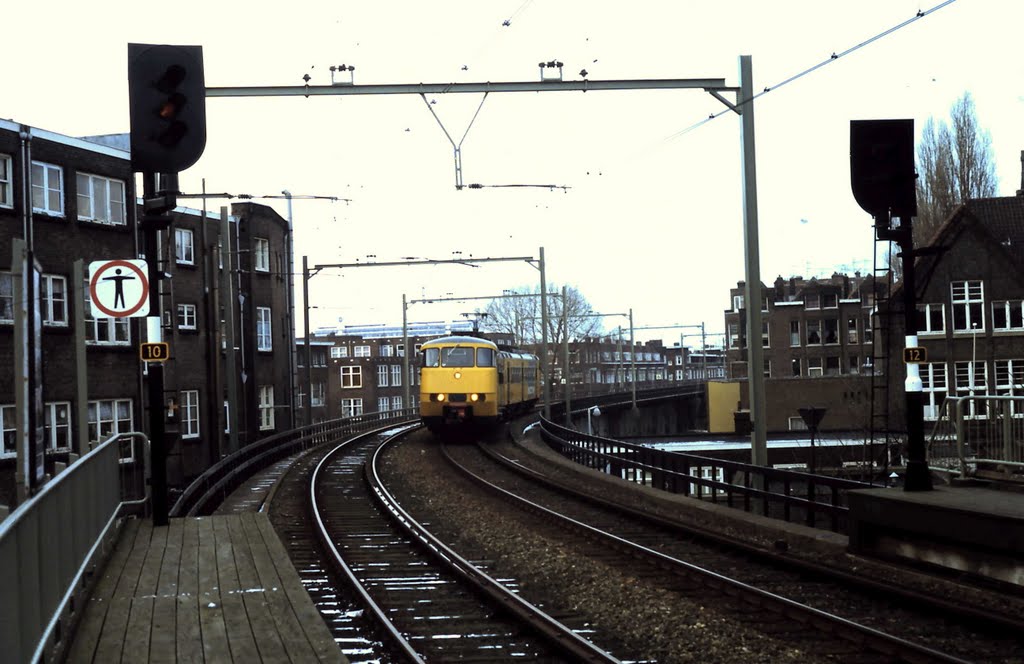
<point>308,351</point>
<point>544,338</point>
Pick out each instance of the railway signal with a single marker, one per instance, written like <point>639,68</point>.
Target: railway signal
<point>167,102</point>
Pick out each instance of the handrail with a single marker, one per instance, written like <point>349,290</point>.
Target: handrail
<point>988,429</point>
<point>773,492</point>
<point>49,543</point>
<point>208,489</point>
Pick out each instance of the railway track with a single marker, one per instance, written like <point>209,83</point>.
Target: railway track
<point>864,621</point>
<point>433,604</point>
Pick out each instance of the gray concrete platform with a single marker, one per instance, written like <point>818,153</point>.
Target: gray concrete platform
<point>970,529</point>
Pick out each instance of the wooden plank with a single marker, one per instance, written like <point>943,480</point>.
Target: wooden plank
<point>162,647</point>
<point>300,606</point>
<point>112,640</point>
<point>87,635</point>
<point>257,604</point>
<point>211,613</point>
<point>240,632</point>
<point>140,618</point>
<point>188,635</point>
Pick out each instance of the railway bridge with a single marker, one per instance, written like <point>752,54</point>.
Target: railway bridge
<point>84,580</point>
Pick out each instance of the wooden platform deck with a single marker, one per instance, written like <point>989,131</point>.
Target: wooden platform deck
<point>208,589</point>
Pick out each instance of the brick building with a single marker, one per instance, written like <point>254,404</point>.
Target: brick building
<point>83,209</point>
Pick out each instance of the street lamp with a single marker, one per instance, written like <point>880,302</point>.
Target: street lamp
<point>596,412</point>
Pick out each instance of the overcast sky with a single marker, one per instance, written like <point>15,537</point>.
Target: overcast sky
<point>651,215</point>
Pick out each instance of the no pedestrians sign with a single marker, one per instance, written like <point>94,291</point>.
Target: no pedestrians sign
<point>119,288</point>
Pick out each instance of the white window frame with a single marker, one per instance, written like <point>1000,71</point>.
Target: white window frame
<point>361,351</point>
<point>45,188</point>
<point>815,367</point>
<point>387,350</point>
<point>927,314</point>
<point>261,254</point>
<point>115,331</point>
<point>382,375</point>
<point>812,301</point>
<point>935,386</point>
<point>8,431</point>
<point>54,309</point>
<point>316,395</point>
<point>813,326</point>
<point>116,424</point>
<point>188,413</point>
<point>6,182</point>
<point>396,375</point>
<point>114,205</point>
<point>186,316</point>
<point>1008,307</point>
<point>351,377</point>
<point>829,301</point>
<point>52,430</point>
<point>382,404</point>
<point>968,297</point>
<point>184,246</point>
<point>971,382</point>
<point>396,403</point>
<point>6,297</point>
<point>266,407</point>
<point>339,351</point>
<point>351,407</point>
<point>264,329</point>
<point>1010,382</point>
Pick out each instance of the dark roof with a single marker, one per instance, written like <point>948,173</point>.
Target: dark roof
<point>1003,218</point>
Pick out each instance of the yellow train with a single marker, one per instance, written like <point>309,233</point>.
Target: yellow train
<point>468,384</point>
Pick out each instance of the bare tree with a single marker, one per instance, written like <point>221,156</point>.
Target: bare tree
<point>521,316</point>
<point>955,164</point>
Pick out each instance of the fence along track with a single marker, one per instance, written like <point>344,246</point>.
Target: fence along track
<point>422,591</point>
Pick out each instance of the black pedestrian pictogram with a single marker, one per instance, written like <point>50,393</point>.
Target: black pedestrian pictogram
<point>118,280</point>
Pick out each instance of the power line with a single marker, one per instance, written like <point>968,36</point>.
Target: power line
<point>832,58</point>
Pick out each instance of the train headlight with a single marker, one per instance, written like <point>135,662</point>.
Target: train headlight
<point>458,375</point>
<point>474,397</point>
<point>440,397</point>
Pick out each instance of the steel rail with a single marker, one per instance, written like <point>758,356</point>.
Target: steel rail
<point>847,629</point>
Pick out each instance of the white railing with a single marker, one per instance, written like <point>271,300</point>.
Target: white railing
<point>979,432</point>
<point>49,543</point>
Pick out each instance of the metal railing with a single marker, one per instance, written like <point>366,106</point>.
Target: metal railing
<point>979,435</point>
<point>48,544</point>
<point>783,494</point>
<point>208,490</point>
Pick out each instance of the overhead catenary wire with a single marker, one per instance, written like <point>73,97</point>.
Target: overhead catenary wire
<point>832,58</point>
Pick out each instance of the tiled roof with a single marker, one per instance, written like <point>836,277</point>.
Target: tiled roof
<point>1003,218</point>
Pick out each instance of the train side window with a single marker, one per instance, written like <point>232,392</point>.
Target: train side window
<point>431,356</point>
<point>485,357</point>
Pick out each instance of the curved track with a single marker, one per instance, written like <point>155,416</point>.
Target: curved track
<point>798,601</point>
<point>433,604</point>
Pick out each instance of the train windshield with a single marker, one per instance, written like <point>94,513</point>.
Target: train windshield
<point>431,357</point>
<point>456,356</point>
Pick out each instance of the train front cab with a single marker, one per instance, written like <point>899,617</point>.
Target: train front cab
<point>458,385</point>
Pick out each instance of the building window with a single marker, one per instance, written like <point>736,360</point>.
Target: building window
<point>316,394</point>
<point>6,297</point>
<point>831,330</point>
<point>734,336</point>
<point>971,379</point>
<point>931,318</point>
<point>794,333</point>
<point>1010,383</point>
<point>396,403</point>
<point>319,358</point>
<point>869,332</point>
<point>184,248</point>
<point>851,330</point>
<point>266,405</point>
<point>111,417</point>
<point>934,386</point>
<point>968,298</point>
<point>261,254</point>
<point>814,366</point>
<point>1008,315</point>
<point>382,375</point>
<point>813,332</point>
<point>186,316</point>
<point>58,425</point>
<point>339,351</point>
<point>114,331</point>
<point>264,338</point>
<point>351,407</point>
<point>101,200</point>
<point>382,404</point>
<point>387,350</point>
<point>362,351</point>
<point>853,364</point>
<point>351,377</point>
<point>47,189</point>
<point>812,302</point>
<point>829,301</point>
<point>832,365</point>
<point>188,412</point>
<point>737,302</point>
<point>767,368</point>
<point>8,415</point>
<point>765,337</point>
<point>400,352</point>
<point>54,292</point>
<point>795,366</point>
<point>396,375</point>
<point>6,191</point>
